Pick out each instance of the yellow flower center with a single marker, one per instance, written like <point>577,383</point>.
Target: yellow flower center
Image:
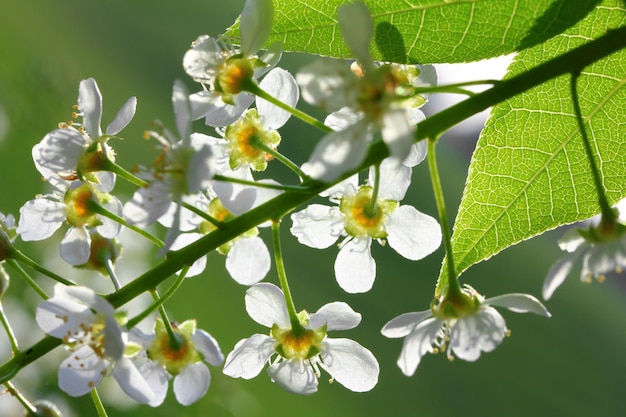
<point>362,218</point>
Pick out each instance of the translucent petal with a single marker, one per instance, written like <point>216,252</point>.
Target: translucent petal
<point>76,246</point>
<point>201,170</point>
<point>558,272</point>
<point>90,104</point>
<point>182,111</point>
<point>110,228</point>
<point>412,234</point>
<point>336,316</point>
<point>480,332</point>
<point>350,364</point>
<point>356,27</point>
<point>158,380</point>
<point>397,134</point>
<point>265,303</point>
<point>59,152</point>
<point>294,376</point>
<point>256,23</point>
<point>355,269</point>
<point>148,204</point>
<point>208,347</point>
<point>519,303</point>
<point>248,260</point>
<point>317,226</point>
<point>192,383</point>
<point>123,117</point>
<point>281,85</point>
<point>395,179</point>
<point>80,372</point>
<point>404,324</point>
<point>328,83</point>
<point>204,58</point>
<point>86,296</point>
<point>249,356</point>
<point>58,315</point>
<point>131,381</point>
<point>40,218</point>
<point>418,343</point>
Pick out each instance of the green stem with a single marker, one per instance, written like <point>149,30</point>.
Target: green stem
<point>258,91</point>
<point>202,214</point>
<point>97,402</point>
<point>279,157</point>
<point>454,88</point>
<point>20,257</point>
<point>296,326</point>
<point>452,282</point>
<point>97,208</point>
<point>123,173</point>
<point>29,280</point>
<point>7,327</point>
<point>292,188</point>
<point>372,207</point>
<point>175,342</point>
<point>168,294</point>
<point>31,410</point>
<point>433,126</point>
<point>608,214</point>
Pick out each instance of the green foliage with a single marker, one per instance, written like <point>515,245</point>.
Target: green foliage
<point>427,31</point>
<point>529,172</point>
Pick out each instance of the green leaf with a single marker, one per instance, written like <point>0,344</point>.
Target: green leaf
<point>529,172</point>
<point>427,31</point>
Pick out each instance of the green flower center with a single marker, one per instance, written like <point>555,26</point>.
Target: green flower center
<point>78,211</point>
<point>362,218</point>
<point>249,142</point>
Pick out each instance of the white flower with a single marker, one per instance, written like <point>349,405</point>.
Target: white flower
<point>247,257</point>
<point>70,203</point>
<point>185,363</point>
<point>299,353</point>
<point>86,322</point>
<point>224,70</point>
<point>468,328</point>
<point>379,99</point>
<point>602,247</point>
<point>70,153</point>
<point>409,232</point>
<point>187,168</point>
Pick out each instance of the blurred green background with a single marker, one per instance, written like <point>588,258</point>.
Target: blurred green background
<point>569,365</point>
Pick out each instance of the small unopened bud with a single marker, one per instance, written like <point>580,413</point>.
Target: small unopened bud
<point>44,408</point>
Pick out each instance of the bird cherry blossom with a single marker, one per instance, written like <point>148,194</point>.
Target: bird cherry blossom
<point>184,361</point>
<point>466,325</point>
<point>186,167</point>
<point>75,204</point>
<point>359,218</point>
<point>89,328</point>
<point>225,71</point>
<point>601,246</point>
<point>378,98</point>
<point>295,352</point>
<point>81,150</point>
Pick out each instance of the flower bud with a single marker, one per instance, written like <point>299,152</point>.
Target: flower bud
<point>44,408</point>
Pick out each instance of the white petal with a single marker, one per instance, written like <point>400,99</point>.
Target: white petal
<point>397,134</point>
<point>519,303</point>
<point>480,332</point>
<point>59,151</point>
<point>356,26</point>
<point>158,380</point>
<point>76,246</point>
<point>40,218</point>
<point>265,303</point>
<point>328,83</point>
<point>110,228</point>
<point>248,260</point>
<point>317,226</point>
<point>571,240</point>
<point>77,376</point>
<point>90,103</point>
<point>113,339</point>
<point>412,234</point>
<point>123,117</point>
<point>336,316</point>
<point>236,198</point>
<point>294,376</point>
<point>183,240</point>
<point>343,188</point>
<point>182,110</point>
<point>249,356</point>
<point>148,204</point>
<point>256,23</point>
<point>338,153</point>
<point>417,344</point>
<point>222,114</point>
<point>204,58</point>
<point>86,296</point>
<point>355,269</point>
<point>201,170</point>
<point>57,316</point>
<point>192,383</point>
<point>342,118</point>
<point>131,381</point>
<point>281,85</point>
<point>558,272</point>
<point>395,179</point>
<point>208,347</point>
<point>428,76</point>
<point>417,154</point>
<point>350,364</point>
<point>404,324</point>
